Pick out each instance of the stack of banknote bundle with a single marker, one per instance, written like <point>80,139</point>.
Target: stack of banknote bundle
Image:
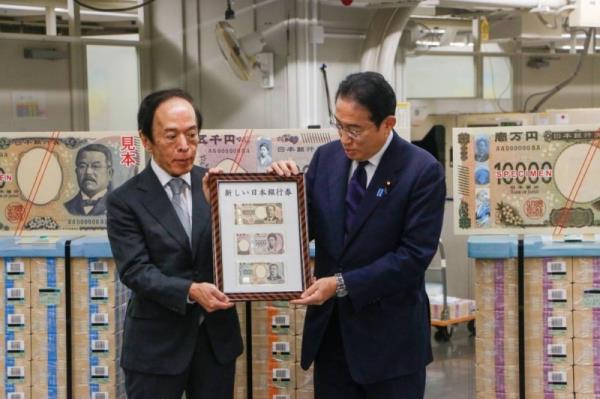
<point>48,328</point>
<point>99,302</point>
<point>15,328</point>
<point>548,336</point>
<point>586,326</point>
<point>273,349</point>
<point>497,328</point>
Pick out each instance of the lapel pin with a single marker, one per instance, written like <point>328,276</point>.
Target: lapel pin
<point>388,186</point>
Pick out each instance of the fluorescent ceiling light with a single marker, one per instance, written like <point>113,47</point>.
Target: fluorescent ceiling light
<point>65,11</point>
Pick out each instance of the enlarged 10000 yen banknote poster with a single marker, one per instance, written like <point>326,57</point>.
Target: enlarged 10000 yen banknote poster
<point>527,179</point>
<point>259,235</point>
<point>56,183</point>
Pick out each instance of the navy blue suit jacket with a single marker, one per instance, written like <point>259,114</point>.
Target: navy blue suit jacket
<point>384,320</point>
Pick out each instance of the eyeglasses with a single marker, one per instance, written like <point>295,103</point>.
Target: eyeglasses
<point>191,136</point>
<point>353,133</point>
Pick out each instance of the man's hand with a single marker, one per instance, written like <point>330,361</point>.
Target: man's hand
<point>318,293</point>
<point>205,182</point>
<point>284,168</point>
<point>209,297</point>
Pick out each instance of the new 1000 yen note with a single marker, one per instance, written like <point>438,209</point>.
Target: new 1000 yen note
<point>257,273</point>
<point>527,179</point>
<point>58,182</point>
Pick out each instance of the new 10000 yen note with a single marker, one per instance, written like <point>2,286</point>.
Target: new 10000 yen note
<point>249,214</point>
<point>58,182</point>
<point>257,273</point>
<point>259,244</point>
<point>527,179</point>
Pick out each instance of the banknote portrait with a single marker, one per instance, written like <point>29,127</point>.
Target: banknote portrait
<point>93,169</point>
<point>259,236</point>
<point>263,154</point>
<point>482,149</point>
<point>482,175</point>
<point>482,202</point>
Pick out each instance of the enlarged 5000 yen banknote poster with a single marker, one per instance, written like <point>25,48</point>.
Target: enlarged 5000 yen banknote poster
<point>260,273</point>
<point>259,244</point>
<point>527,179</point>
<point>58,182</point>
<point>253,150</point>
<point>249,214</point>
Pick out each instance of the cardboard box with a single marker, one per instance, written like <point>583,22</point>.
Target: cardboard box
<point>549,351</point>
<point>103,269</point>
<point>548,269</point>
<point>43,371</point>
<point>304,378</point>
<point>548,294</point>
<point>300,312</point>
<point>586,351</point>
<point>271,320</point>
<point>497,325</point>
<point>542,323</point>
<point>46,346</point>
<point>99,317</point>
<point>15,344</point>
<point>489,350</point>
<point>555,378</point>
<point>586,323</point>
<point>305,394</point>
<point>587,379</point>
<point>273,393</point>
<point>14,269</point>
<point>488,297</point>
<point>15,317</point>
<point>280,348</point>
<point>586,270</point>
<point>103,344</point>
<point>586,296</point>
<point>504,380</point>
<point>10,391</point>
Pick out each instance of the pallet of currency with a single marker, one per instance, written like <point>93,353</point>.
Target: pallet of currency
<point>53,179</point>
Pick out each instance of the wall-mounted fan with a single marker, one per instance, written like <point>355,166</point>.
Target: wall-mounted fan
<point>243,55</point>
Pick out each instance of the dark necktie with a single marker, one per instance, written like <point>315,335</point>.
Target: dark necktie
<point>357,187</point>
<point>176,185</point>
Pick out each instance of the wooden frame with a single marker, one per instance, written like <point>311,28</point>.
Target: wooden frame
<point>260,236</point>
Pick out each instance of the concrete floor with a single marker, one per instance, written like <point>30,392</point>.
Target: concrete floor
<point>452,373</point>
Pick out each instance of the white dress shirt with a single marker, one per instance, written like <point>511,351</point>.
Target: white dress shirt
<point>186,190</point>
<point>371,167</point>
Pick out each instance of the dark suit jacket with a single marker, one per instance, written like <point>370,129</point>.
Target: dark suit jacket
<point>155,260</point>
<point>75,206</point>
<point>384,320</point>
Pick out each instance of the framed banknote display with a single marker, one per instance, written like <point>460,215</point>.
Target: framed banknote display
<point>260,237</point>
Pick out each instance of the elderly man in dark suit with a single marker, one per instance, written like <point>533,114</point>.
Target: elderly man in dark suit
<point>181,333</point>
<point>375,206</point>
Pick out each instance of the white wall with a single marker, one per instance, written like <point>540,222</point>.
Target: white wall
<point>46,81</point>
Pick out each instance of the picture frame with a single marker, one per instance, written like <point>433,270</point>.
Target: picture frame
<point>260,236</point>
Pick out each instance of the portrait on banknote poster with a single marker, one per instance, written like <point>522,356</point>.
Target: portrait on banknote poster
<point>260,237</point>
<point>527,179</point>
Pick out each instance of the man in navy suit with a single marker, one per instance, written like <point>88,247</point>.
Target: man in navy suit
<point>375,206</point>
<point>181,333</point>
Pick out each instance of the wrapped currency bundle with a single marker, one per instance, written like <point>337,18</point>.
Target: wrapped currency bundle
<point>548,378</point>
<point>587,379</point>
<point>15,374</point>
<point>300,316</point>
<point>457,307</point>
<point>586,296</point>
<point>549,351</point>
<point>279,348</point>
<point>586,351</point>
<point>548,294</point>
<point>496,286</point>
<point>548,323</point>
<point>273,321</point>
<point>16,344</point>
<point>586,323</point>
<point>505,352</point>
<point>49,378</point>
<point>496,381</point>
<point>552,269</point>
<point>87,166</point>
<point>538,179</point>
<point>12,268</point>
<point>586,270</point>
<point>304,378</point>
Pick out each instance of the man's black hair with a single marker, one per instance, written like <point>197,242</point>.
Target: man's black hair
<point>95,148</point>
<point>153,100</point>
<point>372,91</point>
